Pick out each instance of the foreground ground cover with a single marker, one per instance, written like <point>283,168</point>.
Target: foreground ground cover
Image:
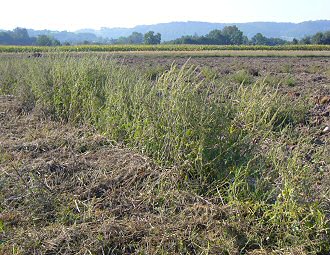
<point>121,158</point>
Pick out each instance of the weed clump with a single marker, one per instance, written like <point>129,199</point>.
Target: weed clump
<point>242,77</point>
<point>228,171</point>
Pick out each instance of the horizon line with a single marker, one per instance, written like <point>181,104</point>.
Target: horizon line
<point>131,27</point>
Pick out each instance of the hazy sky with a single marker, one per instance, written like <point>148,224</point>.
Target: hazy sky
<point>73,14</point>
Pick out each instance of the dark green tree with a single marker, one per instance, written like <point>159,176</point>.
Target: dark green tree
<point>321,38</point>
<point>317,38</point>
<point>6,38</point>
<point>21,36</point>
<point>326,38</point>
<point>245,40</point>
<point>306,40</point>
<point>152,38</point>
<point>259,39</point>
<point>234,35</point>
<point>45,40</point>
<point>216,37</point>
<point>20,33</point>
<point>135,38</point>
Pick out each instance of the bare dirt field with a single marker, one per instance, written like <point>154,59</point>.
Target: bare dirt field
<point>308,72</point>
<point>300,78</point>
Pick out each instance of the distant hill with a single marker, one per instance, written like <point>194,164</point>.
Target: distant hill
<point>64,36</point>
<point>173,30</point>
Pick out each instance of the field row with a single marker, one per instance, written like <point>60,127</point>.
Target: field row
<point>175,54</point>
<point>163,47</point>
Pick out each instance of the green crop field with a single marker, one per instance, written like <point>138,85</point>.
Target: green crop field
<point>163,47</point>
<point>163,156</point>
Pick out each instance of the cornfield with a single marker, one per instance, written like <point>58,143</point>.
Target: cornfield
<point>162,47</point>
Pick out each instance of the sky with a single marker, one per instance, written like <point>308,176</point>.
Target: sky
<point>71,15</point>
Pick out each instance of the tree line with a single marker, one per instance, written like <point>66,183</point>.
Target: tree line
<point>138,38</point>
<point>229,35</point>
<point>20,36</point>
